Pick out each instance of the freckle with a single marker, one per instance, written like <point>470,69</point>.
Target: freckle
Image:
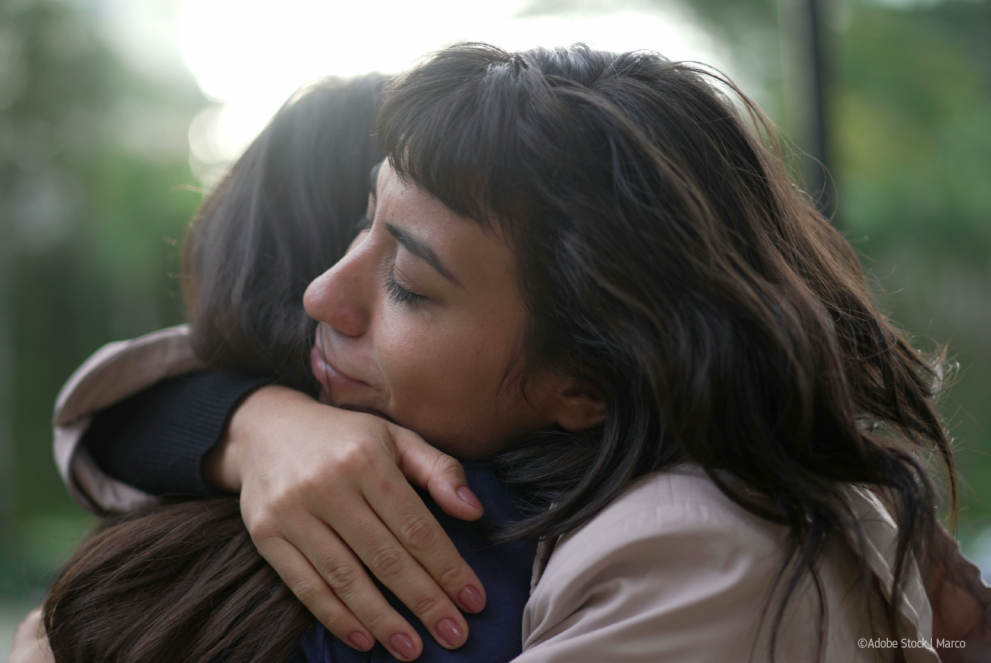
<point>386,487</point>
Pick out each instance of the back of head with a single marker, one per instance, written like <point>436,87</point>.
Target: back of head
<point>183,582</point>
<point>285,213</point>
<point>668,260</point>
<point>173,582</point>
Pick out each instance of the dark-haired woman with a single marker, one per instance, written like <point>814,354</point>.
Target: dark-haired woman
<point>588,267</point>
<point>286,210</point>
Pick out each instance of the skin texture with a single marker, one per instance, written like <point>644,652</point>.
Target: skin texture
<point>324,489</point>
<point>421,324</point>
<point>432,356</point>
<point>429,342</point>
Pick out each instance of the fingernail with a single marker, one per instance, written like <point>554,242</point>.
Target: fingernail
<point>464,492</point>
<point>471,599</point>
<point>358,639</point>
<point>402,645</point>
<point>450,632</point>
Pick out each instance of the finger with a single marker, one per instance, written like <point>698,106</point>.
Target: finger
<point>436,472</point>
<point>310,588</point>
<point>418,532</point>
<point>343,574</point>
<point>388,559</point>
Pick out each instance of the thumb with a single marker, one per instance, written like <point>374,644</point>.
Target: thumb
<point>439,474</point>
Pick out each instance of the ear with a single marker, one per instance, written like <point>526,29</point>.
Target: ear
<point>579,406</point>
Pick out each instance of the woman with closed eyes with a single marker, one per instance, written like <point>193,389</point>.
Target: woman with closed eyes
<point>588,269</point>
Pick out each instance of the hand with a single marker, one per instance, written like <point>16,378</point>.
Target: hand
<point>323,490</point>
<point>30,641</point>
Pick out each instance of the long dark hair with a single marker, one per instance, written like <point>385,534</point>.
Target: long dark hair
<point>284,214</point>
<point>668,260</point>
<point>183,581</point>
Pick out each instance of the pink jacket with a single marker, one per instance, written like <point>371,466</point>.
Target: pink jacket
<point>671,571</point>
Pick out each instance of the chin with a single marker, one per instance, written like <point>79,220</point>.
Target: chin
<point>367,410</point>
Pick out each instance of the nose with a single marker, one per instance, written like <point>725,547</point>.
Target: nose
<point>342,296</point>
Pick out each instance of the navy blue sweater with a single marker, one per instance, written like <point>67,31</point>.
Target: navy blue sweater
<point>495,634</point>
<point>157,439</point>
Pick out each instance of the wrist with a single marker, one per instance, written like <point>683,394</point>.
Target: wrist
<point>222,464</point>
<point>225,465</point>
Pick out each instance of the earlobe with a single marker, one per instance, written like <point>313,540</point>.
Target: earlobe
<point>580,407</point>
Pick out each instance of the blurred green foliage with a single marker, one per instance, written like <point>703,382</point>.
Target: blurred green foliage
<point>94,194</point>
<point>911,108</point>
<point>909,136</point>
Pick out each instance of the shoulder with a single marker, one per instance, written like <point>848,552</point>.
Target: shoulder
<point>662,565</point>
<point>681,507</point>
<point>673,570</point>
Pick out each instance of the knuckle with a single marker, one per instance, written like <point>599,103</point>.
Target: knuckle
<point>262,529</point>
<point>282,508</point>
<point>417,531</point>
<point>342,578</point>
<point>450,576</point>
<point>357,457</point>
<point>448,465</point>
<point>381,623</point>
<point>336,621</point>
<point>387,562</point>
<point>425,604</point>
<point>304,589</point>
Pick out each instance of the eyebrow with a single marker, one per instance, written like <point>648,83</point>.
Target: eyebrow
<point>419,248</point>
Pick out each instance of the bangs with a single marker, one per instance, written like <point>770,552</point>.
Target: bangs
<point>495,134</point>
<point>449,128</point>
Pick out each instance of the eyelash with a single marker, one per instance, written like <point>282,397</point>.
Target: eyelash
<point>398,293</point>
<point>401,295</point>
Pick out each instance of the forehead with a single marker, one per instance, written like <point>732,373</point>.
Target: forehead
<point>476,253</point>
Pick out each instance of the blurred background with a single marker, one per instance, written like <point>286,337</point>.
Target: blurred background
<point>117,115</point>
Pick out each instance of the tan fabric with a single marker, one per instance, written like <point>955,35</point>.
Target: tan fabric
<point>114,372</point>
<point>672,571</point>
<point>675,571</point>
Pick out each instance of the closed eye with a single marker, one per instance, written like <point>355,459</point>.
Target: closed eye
<point>401,295</point>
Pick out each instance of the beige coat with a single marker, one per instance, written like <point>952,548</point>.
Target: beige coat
<point>671,571</point>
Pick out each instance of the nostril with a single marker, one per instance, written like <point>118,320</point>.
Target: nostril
<point>347,319</point>
<point>336,298</point>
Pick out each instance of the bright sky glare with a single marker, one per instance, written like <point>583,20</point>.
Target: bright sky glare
<point>250,55</point>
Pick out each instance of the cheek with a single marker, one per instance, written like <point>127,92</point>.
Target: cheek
<point>446,374</point>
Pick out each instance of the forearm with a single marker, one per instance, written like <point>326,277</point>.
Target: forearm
<point>157,439</point>
<point>222,461</point>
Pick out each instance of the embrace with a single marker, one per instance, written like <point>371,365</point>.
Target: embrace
<point>579,375</point>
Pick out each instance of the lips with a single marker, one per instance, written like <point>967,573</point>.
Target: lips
<point>328,375</point>
<point>332,379</point>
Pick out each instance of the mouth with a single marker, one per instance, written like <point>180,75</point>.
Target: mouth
<point>328,375</point>
<point>331,378</point>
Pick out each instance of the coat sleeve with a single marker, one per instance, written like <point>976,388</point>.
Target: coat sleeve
<point>157,440</point>
<point>113,373</point>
